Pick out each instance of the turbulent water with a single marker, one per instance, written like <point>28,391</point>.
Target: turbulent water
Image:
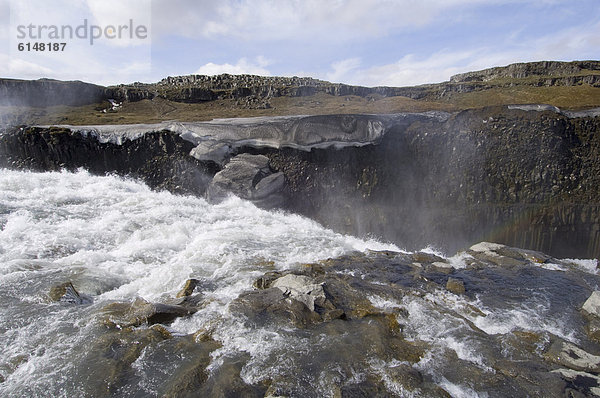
<point>116,240</point>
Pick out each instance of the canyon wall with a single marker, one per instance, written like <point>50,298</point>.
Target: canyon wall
<point>527,178</point>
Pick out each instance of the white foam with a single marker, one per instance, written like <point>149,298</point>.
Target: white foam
<point>115,239</point>
<point>588,265</point>
<point>384,304</point>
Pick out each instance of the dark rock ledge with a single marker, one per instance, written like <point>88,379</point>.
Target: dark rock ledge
<point>524,176</point>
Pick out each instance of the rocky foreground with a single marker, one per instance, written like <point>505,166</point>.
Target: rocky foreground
<point>388,323</point>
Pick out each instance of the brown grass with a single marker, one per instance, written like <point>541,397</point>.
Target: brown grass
<point>158,109</point>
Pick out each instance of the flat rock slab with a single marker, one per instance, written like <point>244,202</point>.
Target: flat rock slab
<point>140,311</point>
<point>300,288</point>
<point>573,357</point>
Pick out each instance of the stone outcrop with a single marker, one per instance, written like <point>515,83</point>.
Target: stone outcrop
<point>123,315</point>
<point>385,316</point>
<point>254,92</point>
<point>161,159</point>
<point>530,69</point>
<point>251,90</point>
<point>248,177</point>
<point>66,293</point>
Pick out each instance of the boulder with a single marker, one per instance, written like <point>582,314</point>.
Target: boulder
<point>211,150</point>
<point>110,358</point>
<point>591,307</point>
<point>503,255</point>
<point>188,288</point>
<point>300,288</point>
<point>66,293</point>
<point>455,286</point>
<point>589,383</point>
<point>271,305</point>
<point>140,311</point>
<point>573,357</point>
<point>248,177</point>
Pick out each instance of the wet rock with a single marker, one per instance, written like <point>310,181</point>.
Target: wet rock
<point>191,374</point>
<point>265,281</point>
<point>593,329</point>
<point>140,311</point>
<point>275,392</point>
<point>591,310</point>
<point>188,288</point>
<point>455,286</point>
<point>507,256</point>
<point>329,315</point>
<point>248,177</point>
<point>272,305</point>
<point>427,258</point>
<point>489,252</point>
<point>524,345</point>
<point>531,379</point>
<point>591,307</point>
<point>67,293</point>
<point>300,288</point>
<point>404,375</point>
<point>10,364</point>
<point>587,383</point>
<point>162,330</point>
<point>225,381</point>
<point>108,364</point>
<point>343,296</point>
<point>370,387</point>
<point>298,298</point>
<point>573,357</point>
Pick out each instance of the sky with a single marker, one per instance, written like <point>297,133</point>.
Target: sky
<point>361,42</point>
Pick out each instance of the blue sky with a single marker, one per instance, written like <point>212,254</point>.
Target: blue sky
<point>366,42</point>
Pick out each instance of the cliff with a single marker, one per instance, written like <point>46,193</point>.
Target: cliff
<point>523,176</point>
<point>48,92</point>
<point>198,88</point>
<point>446,164</point>
<point>259,92</point>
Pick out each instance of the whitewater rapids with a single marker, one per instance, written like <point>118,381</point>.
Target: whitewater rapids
<point>116,240</point>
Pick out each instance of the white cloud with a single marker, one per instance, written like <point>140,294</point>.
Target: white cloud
<point>271,25</point>
<point>22,67</point>
<point>344,20</point>
<point>341,69</point>
<point>243,66</point>
<point>117,12</point>
<point>106,61</point>
<point>411,70</point>
<point>568,44</point>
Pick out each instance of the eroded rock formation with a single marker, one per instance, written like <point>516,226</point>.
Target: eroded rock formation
<point>528,177</point>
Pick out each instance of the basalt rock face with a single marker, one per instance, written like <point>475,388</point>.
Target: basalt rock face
<point>158,158</point>
<point>200,88</point>
<point>253,91</point>
<point>528,179</point>
<point>525,178</point>
<point>529,69</point>
<point>46,92</point>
